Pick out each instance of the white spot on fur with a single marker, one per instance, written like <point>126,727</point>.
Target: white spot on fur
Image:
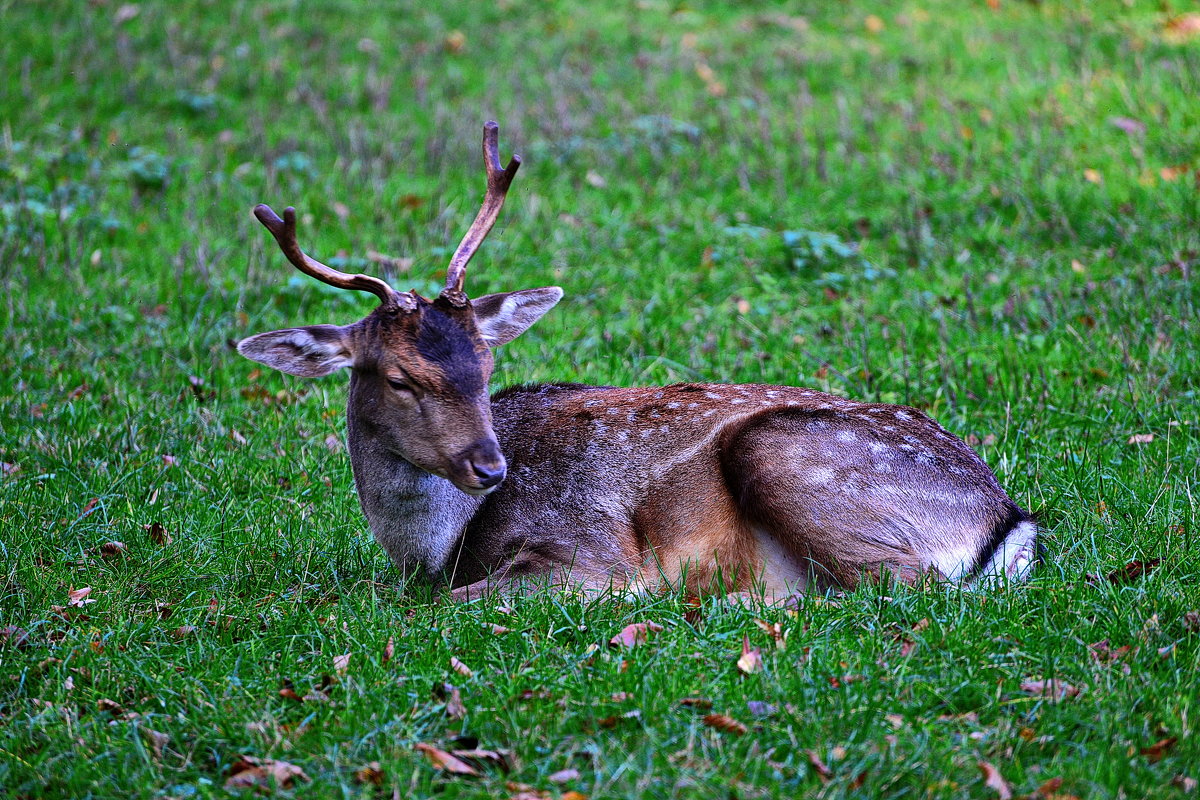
<point>881,466</point>
<point>820,475</point>
<point>772,393</point>
<point>709,413</point>
<point>846,436</point>
<point>593,403</point>
<point>878,447</point>
<point>672,405</point>
<point>713,396</point>
<point>645,434</point>
<point>903,416</point>
<point>737,401</point>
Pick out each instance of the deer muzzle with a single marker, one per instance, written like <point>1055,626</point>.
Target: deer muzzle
<point>480,468</point>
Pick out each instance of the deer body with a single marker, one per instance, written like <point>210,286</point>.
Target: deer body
<point>768,489</point>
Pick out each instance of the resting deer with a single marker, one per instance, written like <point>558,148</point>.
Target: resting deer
<point>708,486</point>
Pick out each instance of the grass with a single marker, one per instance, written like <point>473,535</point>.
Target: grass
<point>987,213</point>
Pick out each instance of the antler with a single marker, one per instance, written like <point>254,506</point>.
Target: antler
<point>284,231</point>
<point>498,180</point>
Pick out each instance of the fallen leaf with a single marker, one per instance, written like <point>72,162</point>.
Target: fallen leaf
<point>69,683</point>
<point>758,708</point>
<point>696,702</point>
<point>1133,571</point>
<point>372,773</point>
<point>110,549</point>
<point>595,179</point>
<point>8,468</point>
<point>819,766</point>
<point>1188,785</point>
<point>635,634</point>
<point>17,637</point>
<point>289,693</point>
<point>341,663</point>
<point>444,761</point>
<point>1141,438</point>
<point>157,740</point>
<point>724,724</point>
<point>774,630</point>
<point>1155,752</point>
<point>125,13</point>
<point>873,24</point>
<point>1092,176</point>
<point>506,610</point>
<point>1049,789</point>
<point>460,667</point>
<point>78,598</point>
<point>333,443</point>
<point>751,658</point>
<point>1182,28</point>
<point>1191,621</point>
<point>183,631</point>
<point>621,697</point>
<point>170,461</point>
<point>158,533</point>
<point>389,649</point>
<point>563,776</point>
<point>1128,124</point>
<point>498,630</point>
<point>453,699</point>
<point>994,780</point>
<point>1052,689</point>
<point>479,758</point>
<point>110,706</point>
<point>250,772</point>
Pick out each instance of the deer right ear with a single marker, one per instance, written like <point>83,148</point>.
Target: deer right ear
<point>308,352</point>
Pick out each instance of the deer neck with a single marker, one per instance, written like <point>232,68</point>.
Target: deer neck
<point>417,518</point>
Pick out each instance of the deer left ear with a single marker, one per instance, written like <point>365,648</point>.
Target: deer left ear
<point>503,317</point>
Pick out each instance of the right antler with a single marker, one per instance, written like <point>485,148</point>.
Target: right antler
<point>284,231</point>
<point>498,180</point>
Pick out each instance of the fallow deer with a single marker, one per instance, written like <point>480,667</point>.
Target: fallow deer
<point>697,486</point>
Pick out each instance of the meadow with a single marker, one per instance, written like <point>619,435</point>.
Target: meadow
<point>987,210</point>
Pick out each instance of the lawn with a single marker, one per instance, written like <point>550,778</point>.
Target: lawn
<point>988,210</point>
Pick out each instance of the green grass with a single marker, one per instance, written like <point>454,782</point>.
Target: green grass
<point>1013,196</point>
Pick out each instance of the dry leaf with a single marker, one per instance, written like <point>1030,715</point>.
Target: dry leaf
<point>183,631</point>
<point>372,773</point>
<point>341,663</point>
<point>158,533</point>
<point>994,780</point>
<point>389,649</point>
<point>563,776</point>
<point>453,698</point>
<point>110,549</point>
<point>751,658</point>
<point>333,443</point>
<point>78,598</point>
<point>506,610</point>
<point>1053,689</point>
<point>499,630</point>
<point>1155,752</point>
<point>1133,570</point>
<point>125,13</point>
<point>635,634</point>
<point>110,706</point>
<point>479,758</point>
<point>1188,785</point>
<point>621,697</point>
<point>774,630</point>
<point>1182,28</point>
<point>873,24</point>
<point>261,773</point>
<point>170,461</point>
<point>1049,789</point>
<point>289,693</point>
<point>1127,124</point>
<point>724,724</point>
<point>460,667</point>
<point>157,740</point>
<point>446,762</point>
<point>17,637</point>
<point>1092,176</point>
<point>1191,621</point>
<point>696,702</point>
<point>1141,438</point>
<point>823,771</point>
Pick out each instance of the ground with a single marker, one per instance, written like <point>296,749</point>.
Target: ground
<point>987,210</point>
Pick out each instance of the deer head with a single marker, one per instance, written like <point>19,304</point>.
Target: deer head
<point>419,368</point>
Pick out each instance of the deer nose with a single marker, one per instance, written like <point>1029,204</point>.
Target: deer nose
<point>489,474</point>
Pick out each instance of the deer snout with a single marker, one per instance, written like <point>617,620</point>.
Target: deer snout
<point>483,466</point>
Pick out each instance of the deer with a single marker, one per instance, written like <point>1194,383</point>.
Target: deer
<point>695,487</point>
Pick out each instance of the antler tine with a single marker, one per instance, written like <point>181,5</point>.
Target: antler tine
<point>498,180</point>
<point>284,231</point>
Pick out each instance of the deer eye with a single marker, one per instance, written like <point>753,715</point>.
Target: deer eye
<point>400,385</point>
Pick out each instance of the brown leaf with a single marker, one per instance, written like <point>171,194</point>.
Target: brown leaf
<point>170,460</point>
<point>506,610</point>
<point>1053,689</point>
<point>635,634</point>
<point>262,772</point>
<point>17,637</point>
<point>110,549</point>
<point>724,724</point>
<point>823,771</point>
<point>460,667</point>
<point>563,776</point>
<point>994,780</point>
<point>444,761</point>
<point>78,598</point>
<point>1049,789</point>
<point>1141,438</point>
<point>1155,752</point>
<point>8,468</point>
<point>289,693</point>
<point>751,658</point>
<point>774,630</point>
<point>341,663</point>
<point>372,773</point>
<point>110,706</point>
<point>389,649</point>
<point>183,631</point>
<point>1191,621</point>
<point>1133,571</point>
<point>696,702</point>
<point>125,13</point>
<point>498,630</point>
<point>1188,785</point>
<point>333,443</point>
<point>158,533</point>
<point>621,697</point>
<point>157,740</point>
<point>480,758</point>
<point>453,698</point>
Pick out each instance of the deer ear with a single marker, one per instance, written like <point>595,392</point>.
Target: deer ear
<point>308,352</point>
<point>503,317</point>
